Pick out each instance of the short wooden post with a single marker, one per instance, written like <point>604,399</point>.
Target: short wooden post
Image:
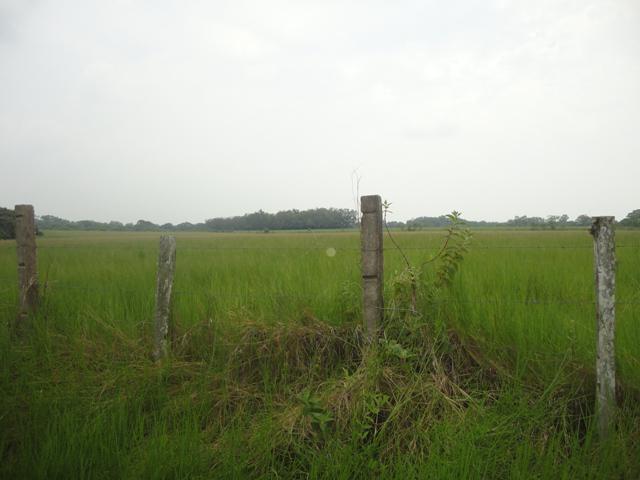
<point>27,262</point>
<point>605,281</point>
<point>166,270</point>
<point>372,262</point>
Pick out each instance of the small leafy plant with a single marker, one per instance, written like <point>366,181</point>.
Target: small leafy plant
<point>312,408</point>
<point>367,426</point>
<point>412,282</point>
<point>391,348</point>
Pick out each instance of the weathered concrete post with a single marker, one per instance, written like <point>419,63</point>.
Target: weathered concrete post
<point>166,270</point>
<point>372,262</point>
<point>27,266</point>
<point>605,280</point>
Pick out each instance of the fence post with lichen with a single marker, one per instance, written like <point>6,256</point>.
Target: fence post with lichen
<point>27,262</point>
<point>605,283</point>
<point>166,270</point>
<point>372,263</point>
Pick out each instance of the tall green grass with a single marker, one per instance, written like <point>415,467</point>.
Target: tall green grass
<point>497,380</point>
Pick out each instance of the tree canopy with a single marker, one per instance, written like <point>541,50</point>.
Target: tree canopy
<point>317,218</point>
<point>632,219</point>
<point>7,224</point>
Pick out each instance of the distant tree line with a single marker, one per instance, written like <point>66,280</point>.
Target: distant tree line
<point>550,222</point>
<point>50,222</point>
<point>317,218</point>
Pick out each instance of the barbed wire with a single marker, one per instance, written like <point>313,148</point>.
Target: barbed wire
<point>183,248</point>
<point>57,284</point>
<point>508,302</point>
<point>52,286</point>
<point>338,249</point>
<point>149,290</point>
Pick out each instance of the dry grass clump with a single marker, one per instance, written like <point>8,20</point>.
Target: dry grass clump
<point>310,351</point>
<point>328,382</point>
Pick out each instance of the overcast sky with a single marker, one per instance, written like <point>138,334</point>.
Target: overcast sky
<point>185,110</point>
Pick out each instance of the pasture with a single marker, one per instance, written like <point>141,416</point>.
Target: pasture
<point>270,378</point>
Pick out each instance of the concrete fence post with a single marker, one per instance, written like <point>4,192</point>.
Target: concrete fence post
<point>372,263</point>
<point>27,262</point>
<point>605,283</point>
<point>166,270</point>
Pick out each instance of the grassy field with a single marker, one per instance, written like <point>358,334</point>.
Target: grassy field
<point>270,377</point>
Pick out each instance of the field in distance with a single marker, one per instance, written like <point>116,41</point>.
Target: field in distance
<point>88,401</point>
